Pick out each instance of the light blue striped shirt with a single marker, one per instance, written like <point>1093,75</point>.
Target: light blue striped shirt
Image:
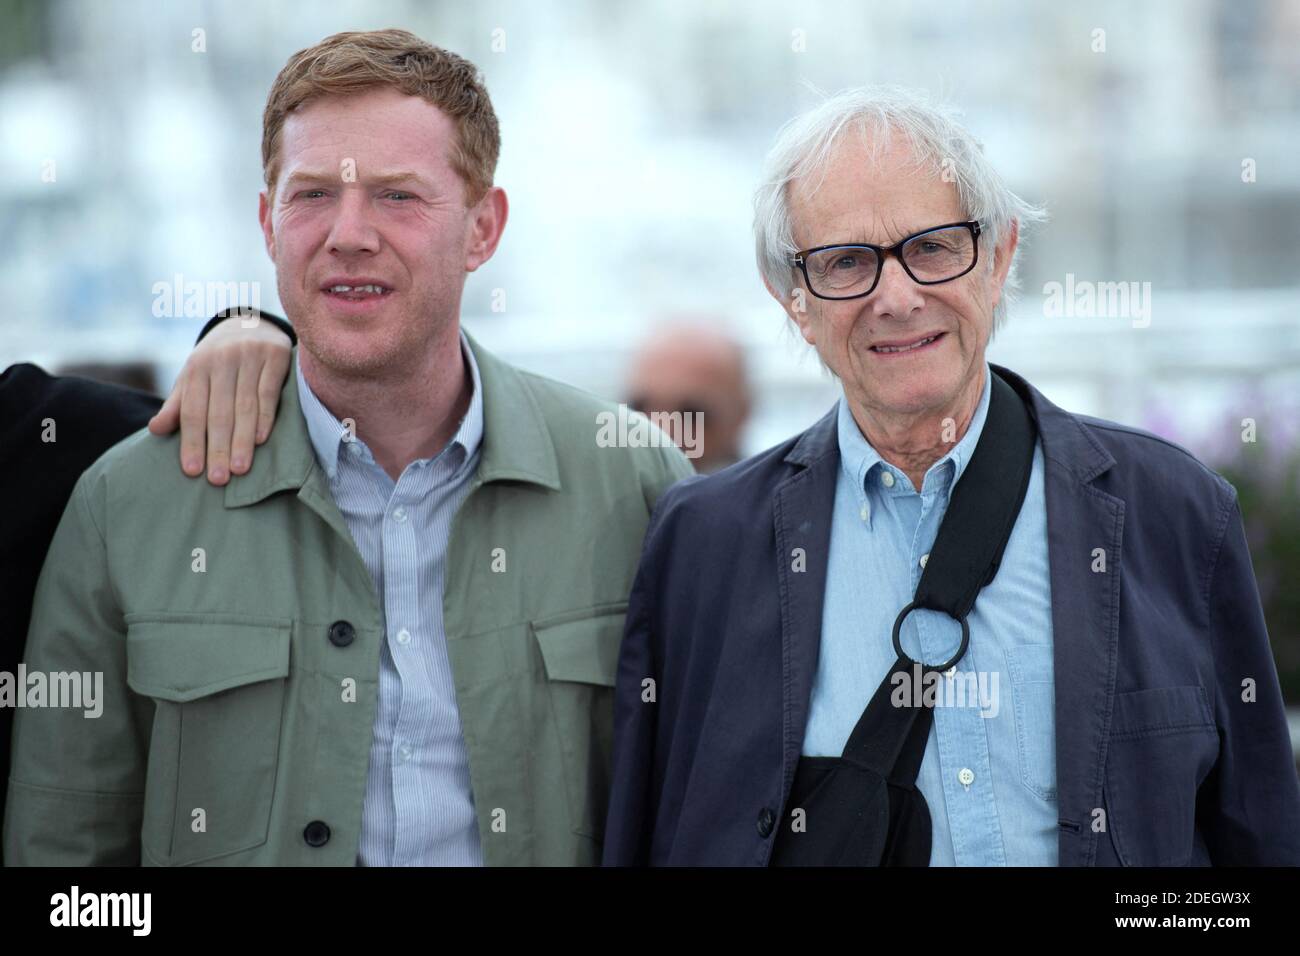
<point>419,808</point>
<point>989,781</point>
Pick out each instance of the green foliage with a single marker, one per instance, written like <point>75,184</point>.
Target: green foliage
<point>1268,488</point>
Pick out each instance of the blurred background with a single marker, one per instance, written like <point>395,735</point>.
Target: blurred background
<point>1161,138</point>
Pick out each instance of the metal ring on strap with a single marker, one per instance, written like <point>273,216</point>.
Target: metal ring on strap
<point>961,651</point>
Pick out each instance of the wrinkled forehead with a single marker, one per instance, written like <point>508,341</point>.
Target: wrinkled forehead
<point>868,188</point>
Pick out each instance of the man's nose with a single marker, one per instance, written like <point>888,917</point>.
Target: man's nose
<point>896,295</point>
<point>353,231</point>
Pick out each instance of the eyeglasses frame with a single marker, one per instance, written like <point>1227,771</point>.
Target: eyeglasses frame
<point>800,259</point>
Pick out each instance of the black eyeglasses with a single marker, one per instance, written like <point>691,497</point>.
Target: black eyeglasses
<point>938,254</point>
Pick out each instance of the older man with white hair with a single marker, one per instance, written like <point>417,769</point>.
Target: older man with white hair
<point>950,623</point>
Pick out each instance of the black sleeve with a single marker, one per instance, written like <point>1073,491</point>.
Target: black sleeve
<point>51,430</point>
<point>224,314</point>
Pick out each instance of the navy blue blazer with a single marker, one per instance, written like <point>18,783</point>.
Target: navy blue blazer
<point>1159,760</point>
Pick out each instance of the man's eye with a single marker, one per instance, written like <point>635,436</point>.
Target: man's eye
<point>845,262</point>
<point>311,194</point>
<point>931,246</point>
<point>400,195</point>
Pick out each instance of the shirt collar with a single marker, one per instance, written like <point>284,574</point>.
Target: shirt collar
<point>327,432</point>
<point>858,458</point>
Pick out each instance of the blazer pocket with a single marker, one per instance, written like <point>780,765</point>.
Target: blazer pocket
<point>219,691</point>
<point>580,655</point>
<point>1163,742</point>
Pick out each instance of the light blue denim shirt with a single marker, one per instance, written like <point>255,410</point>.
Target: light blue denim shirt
<point>989,772</point>
<point>419,807</point>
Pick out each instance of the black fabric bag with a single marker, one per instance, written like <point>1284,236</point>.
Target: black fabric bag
<point>863,808</point>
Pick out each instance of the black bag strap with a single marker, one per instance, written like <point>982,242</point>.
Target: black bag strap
<point>968,549</point>
<point>965,558</point>
<point>890,740</point>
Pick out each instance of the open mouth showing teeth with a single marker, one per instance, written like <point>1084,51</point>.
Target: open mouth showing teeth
<point>357,291</point>
<point>889,349</point>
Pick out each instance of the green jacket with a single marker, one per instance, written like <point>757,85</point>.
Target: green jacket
<point>237,714</point>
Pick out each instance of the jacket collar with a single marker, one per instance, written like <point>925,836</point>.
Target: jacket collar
<point>1065,440</point>
<point>328,434</point>
<point>816,442</point>
<point>517,443</point>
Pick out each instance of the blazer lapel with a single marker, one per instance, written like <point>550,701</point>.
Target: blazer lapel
<point>802,510</point>
<point>1083,525</point>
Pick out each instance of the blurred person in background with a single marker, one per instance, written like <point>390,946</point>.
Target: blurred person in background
<point>695,369</point>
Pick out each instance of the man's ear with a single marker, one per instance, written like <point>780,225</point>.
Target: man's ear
<point>1003,253</point>
<point>487,223</point>
<point>264,218</point>
<point>796,307</point>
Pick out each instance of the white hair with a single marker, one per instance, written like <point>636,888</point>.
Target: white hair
<point>805,145</point>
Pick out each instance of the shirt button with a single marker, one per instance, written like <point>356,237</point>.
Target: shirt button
<point>865,513</point>
<point>403,637</point>
<point>887,479</point>
<point>766,821</point>
<point>966,776</point>
<point>405,752</point>
<point>924,558</point>
<point>399,514</point>
<point>354,449</point>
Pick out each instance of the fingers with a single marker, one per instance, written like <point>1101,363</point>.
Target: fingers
<point>246,417</point>
<point>269,384</point>
<point>194,424</point>
<point>169,416</point>
<point>221,420</point>
<point>226,398</point>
